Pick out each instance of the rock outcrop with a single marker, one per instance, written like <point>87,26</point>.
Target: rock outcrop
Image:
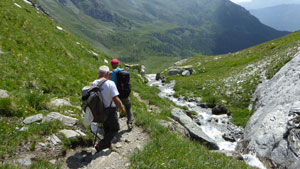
<point>193,128</point>
<point>273,131</point>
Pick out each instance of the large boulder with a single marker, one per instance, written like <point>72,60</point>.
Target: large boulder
<point>66,120</point>
<point>273,131</point>
<point>193,128</point>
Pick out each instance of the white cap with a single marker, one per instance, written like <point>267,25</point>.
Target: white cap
<point>104,69</point>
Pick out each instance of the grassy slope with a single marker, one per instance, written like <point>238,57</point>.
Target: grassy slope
<point>38,62</point>
<point>231,79</point>
<point>42,62</point>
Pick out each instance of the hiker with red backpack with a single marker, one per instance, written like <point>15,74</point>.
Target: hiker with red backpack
<point>121,77</point>
<point>109,97</point>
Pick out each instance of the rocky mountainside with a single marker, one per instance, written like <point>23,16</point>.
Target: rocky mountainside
<point>281,17</point>
<point>147,30</point>
<point>273,130</point>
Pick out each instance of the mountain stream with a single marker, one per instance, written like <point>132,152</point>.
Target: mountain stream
<point>217,127</point>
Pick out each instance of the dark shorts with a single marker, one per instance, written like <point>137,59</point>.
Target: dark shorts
<point>112,122</point>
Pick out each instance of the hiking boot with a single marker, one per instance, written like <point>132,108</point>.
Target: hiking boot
<point>122,115</point>
<point>130,126</point>
<point>99,147</point>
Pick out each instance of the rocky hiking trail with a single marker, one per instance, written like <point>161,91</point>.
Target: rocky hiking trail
<point>124,144</point>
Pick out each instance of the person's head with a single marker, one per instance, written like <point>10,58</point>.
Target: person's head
<point>114,63</point>
<point>103,71</point>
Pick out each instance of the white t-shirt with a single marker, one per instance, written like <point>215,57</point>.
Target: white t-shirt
<point>108,91</point>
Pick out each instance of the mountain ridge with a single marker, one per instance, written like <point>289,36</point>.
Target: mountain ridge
<point>281,17</point>
<point>137,31</point>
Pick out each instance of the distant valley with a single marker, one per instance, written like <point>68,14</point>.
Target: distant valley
<point>157,33</point>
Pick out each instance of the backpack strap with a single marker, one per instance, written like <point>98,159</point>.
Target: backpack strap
<point>99,85</point>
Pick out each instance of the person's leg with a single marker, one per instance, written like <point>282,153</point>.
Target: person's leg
<point>127,104</point>
<point>111,128</point>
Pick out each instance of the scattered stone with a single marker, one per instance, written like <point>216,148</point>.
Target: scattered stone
<point>52,161</point>
<point>33,119</point>
<point>228,137</point>
<point>54,139</point>
<point>69,112</point>
<point>194,130</point>
<point>218,110</point>
<point>58,103</point>
<point>66,120</point>
<point>26,161</point>
<point>138,148</point>
<point>3,94</point>
<point>69,133</point>
<point>59,28</point>
<point>25,128</point>
<point>17,5</point>
<point>118,145</point>
<point>127,165</point>
<point>41,144</point>
<point>94,53</point>
<point>81,133</point>
<point>27,2</point>
<point>185,73</point>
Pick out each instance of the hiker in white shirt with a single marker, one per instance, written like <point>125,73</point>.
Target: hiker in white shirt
<point>111,100</point>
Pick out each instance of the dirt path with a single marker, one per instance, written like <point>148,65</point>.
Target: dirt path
<point>124,144</point>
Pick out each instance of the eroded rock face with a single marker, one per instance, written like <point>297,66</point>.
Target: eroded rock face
<point>273,131</point>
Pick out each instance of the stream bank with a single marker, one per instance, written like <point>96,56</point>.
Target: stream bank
<point>216,130</point>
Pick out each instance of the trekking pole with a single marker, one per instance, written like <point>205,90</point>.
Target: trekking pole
<point>95,136</point>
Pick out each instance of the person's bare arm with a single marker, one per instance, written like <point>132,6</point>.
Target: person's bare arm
<point>118,103</point>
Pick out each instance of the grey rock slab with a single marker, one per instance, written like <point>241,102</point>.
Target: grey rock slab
<point>3,94</point>
<point>69,133</point>
<point>270,132</point>
<point>68,121</point>
<point>194,130</point>
<point>26,161</point>
<point>32,119</point>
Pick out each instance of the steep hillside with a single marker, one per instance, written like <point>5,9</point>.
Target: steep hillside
<point>143,31</point>
<point>41,61</point>
<point>230,80</point>
<point>281,17</point>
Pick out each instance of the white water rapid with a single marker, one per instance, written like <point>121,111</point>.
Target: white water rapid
<point>214,126</point>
